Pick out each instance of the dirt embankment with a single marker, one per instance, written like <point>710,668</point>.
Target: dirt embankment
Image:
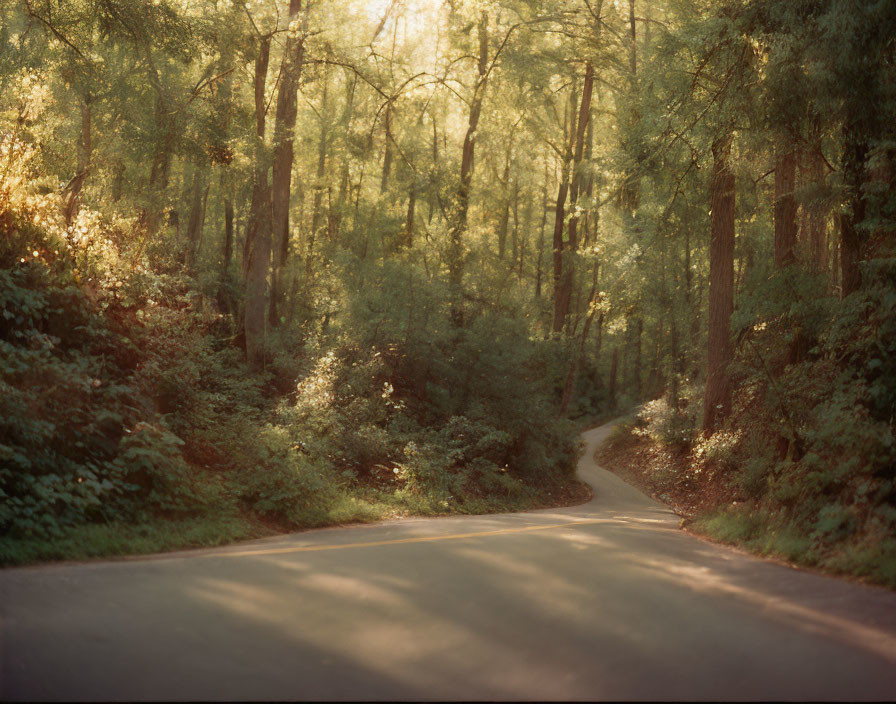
<point>666,474</point>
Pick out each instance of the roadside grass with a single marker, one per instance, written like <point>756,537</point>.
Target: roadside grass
<point>757,531</point>
<point>365,505</point>
<point>120,539</point>
<point>875,560</point>
<point>770,536</point>
<point>710,512</point>
<point>621,432</point>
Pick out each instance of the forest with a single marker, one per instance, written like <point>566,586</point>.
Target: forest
<point>274,264</point>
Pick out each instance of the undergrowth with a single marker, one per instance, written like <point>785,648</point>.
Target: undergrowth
<point>129,422</point>
<point>807,457</point>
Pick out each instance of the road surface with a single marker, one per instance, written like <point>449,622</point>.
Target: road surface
<point>608,600</point>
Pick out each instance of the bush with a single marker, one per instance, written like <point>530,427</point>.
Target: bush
<point>812,435</point>
<point>275,479</point>
<point>667,425</point>
<point>454,410</point>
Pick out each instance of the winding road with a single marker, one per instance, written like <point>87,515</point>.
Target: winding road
<point>607,600</point>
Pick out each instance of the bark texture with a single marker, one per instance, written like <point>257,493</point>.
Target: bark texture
<point>560,211</point>
<point>257,252</point>
<point>195,222</point>
<point>614,366</point>
<point>855,152</point>
<point>564,291</point>
<point>785,207</point>
<point>717,401</point>
<point>85,151</point>
<point>576,365</point>
<point>281,173</point>
<point>456,253</point>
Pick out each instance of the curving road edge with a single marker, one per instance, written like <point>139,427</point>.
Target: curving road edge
<point>608,600</point>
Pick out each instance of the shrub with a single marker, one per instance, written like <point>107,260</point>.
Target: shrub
<point>274,478</point>
<point>667,425</point>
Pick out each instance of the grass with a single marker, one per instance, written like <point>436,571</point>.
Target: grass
<point>741,519</point>
<point>157,535</point>
<point>768,535</point>
<point>757,531</point>
<point>119,539</point>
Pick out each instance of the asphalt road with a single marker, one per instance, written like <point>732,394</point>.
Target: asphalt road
<point>608,600</point>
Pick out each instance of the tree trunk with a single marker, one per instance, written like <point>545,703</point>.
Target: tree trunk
<point>387,156</point>
<point>225,110</point>
<point>201,231</point>
<point>717,400</point>
<point>654,378</point>
<point>636,367</point>
<point>544,220</point>
<point>785,207</point>
<point>630,192</point>
<point>855,151</point>
<point>281,173</point>
<point>317,204</point>
<point>504,222</point>
<point>633,41</point>
<point>591,218</point>
<point>835,252</point>
<point>257,251</point>
<point>560,212</point>
<point>224,296</point>
<point>193,223</point>
<point>522,234</point>
<point>409,220</point>
<point>85,150</point>
<point>614,366</point>
<point>344,177</point>
<point>435,163</point>
<point>561,309</point>
<point>462,201</point>
<point>815,175</point>
<point>118,171</point>
<point>677,359</point>
<point>570,383</point>
<point>160,170</point>
<point>228,235</point>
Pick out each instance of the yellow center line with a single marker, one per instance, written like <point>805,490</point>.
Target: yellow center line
<point>401,541</point>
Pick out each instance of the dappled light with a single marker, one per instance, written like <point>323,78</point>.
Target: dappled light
<point>293,263</point>
<point>579,603</point>
<point>416,349</point>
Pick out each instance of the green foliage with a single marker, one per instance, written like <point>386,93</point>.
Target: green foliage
<point>402,373</point>
<point>61,410</point>
<point>74,444</point>
<point>150,457</point>
<point>812,431</point>
<point>753,475</point>
<point>732,524</point>
<point>412,362</point>
<point>169,424</point>
<point>622,431</point>
<point>94,540</point>
<point>275,479</point>
<point>667,425</point>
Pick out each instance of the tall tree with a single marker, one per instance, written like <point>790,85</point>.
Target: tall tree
<point>564,290</point>
<point>717,399</point>
<point>855,154</point>
<point>85,152</point>
<point>257,251</point>
<point>458,225</point>
<point>785,206</point>
<point>281,172</point>
<point>560,212</point>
